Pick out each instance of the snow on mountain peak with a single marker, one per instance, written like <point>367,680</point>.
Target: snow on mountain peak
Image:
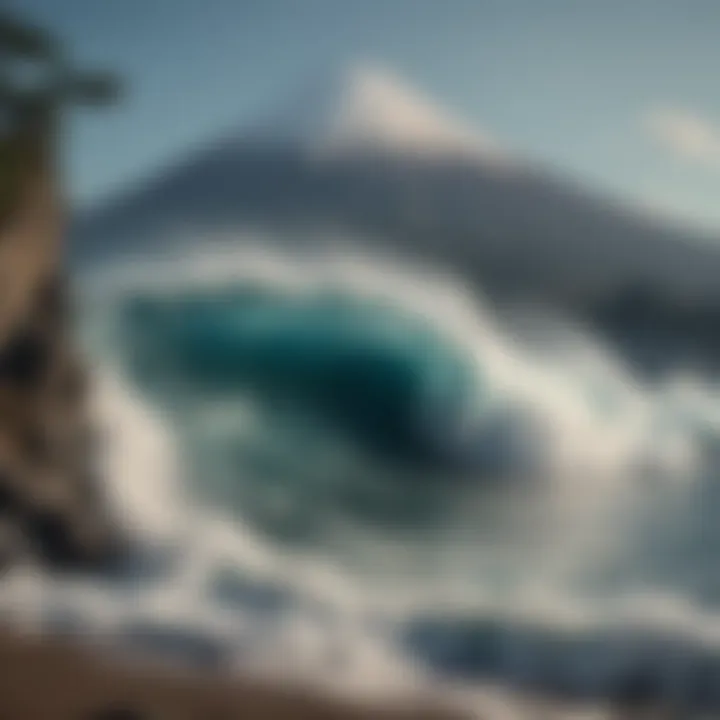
<point>368,109</point>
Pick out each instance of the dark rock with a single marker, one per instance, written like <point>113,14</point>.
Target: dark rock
<point>52,537</point>
<point>24,359</point>
<point>64,541</point>
<point>9,496</point>
<point>44,458</point>
<point>13,544</point>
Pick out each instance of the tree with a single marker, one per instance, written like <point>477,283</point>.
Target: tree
<point>27,51</point>
<point>37,81</point>
<point>25,40</point>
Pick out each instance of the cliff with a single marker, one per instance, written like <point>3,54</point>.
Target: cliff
<point>50,504</point>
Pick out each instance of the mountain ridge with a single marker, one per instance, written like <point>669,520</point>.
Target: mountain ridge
<point>364,107</point>
<point>491,217</point>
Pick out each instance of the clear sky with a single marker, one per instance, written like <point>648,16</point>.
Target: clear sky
<point>621,93</point>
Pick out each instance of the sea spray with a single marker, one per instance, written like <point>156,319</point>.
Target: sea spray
<point>535,562</point>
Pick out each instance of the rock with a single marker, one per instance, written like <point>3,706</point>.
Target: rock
<point>24,358</point>
<point>49,489</point>
<point>50,506</point>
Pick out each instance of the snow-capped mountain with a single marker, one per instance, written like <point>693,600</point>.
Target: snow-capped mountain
<point>366,155</point>
<point>366,109</point>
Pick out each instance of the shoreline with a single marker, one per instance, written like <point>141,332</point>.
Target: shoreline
<point>50,678</point>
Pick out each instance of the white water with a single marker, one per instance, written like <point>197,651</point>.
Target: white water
<point>603,525</point>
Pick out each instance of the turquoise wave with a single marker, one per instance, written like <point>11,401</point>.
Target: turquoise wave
<point>381,378</point>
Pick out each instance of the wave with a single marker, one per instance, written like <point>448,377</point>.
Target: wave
<point>351,458</point>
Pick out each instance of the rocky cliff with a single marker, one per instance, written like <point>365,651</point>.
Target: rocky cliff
<point>51,508</point>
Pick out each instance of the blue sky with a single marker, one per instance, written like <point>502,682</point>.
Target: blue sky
<point>621,93</point>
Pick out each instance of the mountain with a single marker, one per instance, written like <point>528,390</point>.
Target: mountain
<point>364,155</point>
<point>370,111</point>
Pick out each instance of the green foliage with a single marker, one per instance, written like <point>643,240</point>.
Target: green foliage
<point>25,40</point>
<point>36,81</point>
<point>62,83</point>
<point>94,89</point>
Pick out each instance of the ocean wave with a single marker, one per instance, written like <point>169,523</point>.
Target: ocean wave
<point>293,528</point>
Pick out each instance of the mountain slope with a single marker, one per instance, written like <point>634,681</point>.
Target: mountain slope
<point>365,109</point>
<point>364,154</point>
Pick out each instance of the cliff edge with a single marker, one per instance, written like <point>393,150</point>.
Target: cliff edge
<point>51,509</point>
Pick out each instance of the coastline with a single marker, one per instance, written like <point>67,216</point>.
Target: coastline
<point>44,678</point>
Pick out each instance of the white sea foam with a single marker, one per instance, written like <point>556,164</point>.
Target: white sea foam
<point>619,474</point>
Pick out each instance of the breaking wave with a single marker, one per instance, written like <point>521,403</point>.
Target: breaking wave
<point>337,466</point>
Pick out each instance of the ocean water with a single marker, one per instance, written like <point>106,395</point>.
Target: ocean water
<point>358,472</point>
